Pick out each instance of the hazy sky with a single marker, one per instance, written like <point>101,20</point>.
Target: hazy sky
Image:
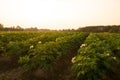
<point>59,14</point>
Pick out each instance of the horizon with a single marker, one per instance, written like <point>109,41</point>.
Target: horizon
<point>60,29</point>
<point>59,14</point>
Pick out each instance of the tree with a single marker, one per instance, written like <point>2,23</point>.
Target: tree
<point>18,27</point>
<point>1,26</point>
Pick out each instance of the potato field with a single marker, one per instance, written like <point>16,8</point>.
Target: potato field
<point>59,56</point>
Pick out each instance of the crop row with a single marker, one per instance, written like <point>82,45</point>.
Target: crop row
<point>20,43</point>
<point>98,57</point>
<point>44,55</point>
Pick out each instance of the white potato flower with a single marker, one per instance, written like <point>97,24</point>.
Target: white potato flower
<point>31,46</point>
<point>83,45</point>
<point>108,54</point>
<point>114,58</point>
<point>73,60</point>
<point>39,42</point>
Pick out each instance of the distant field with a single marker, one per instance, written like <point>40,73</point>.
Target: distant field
<point>59,56</point>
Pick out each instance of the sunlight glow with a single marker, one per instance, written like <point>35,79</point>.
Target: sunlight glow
<point>59,14</point>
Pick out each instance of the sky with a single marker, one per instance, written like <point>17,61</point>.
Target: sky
<point>59,14</point>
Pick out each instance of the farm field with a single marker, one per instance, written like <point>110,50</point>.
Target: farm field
<point>59,56</point>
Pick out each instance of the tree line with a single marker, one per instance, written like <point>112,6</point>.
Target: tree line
<point>110,28</point>
<point>19,28</point>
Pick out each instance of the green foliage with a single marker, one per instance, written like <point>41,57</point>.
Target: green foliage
<point>98,53</point>
<point>44,55</point>
<point>13,48</point>
<point>24,59</point>
<point>95,59</point>
<point>19,43</point>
